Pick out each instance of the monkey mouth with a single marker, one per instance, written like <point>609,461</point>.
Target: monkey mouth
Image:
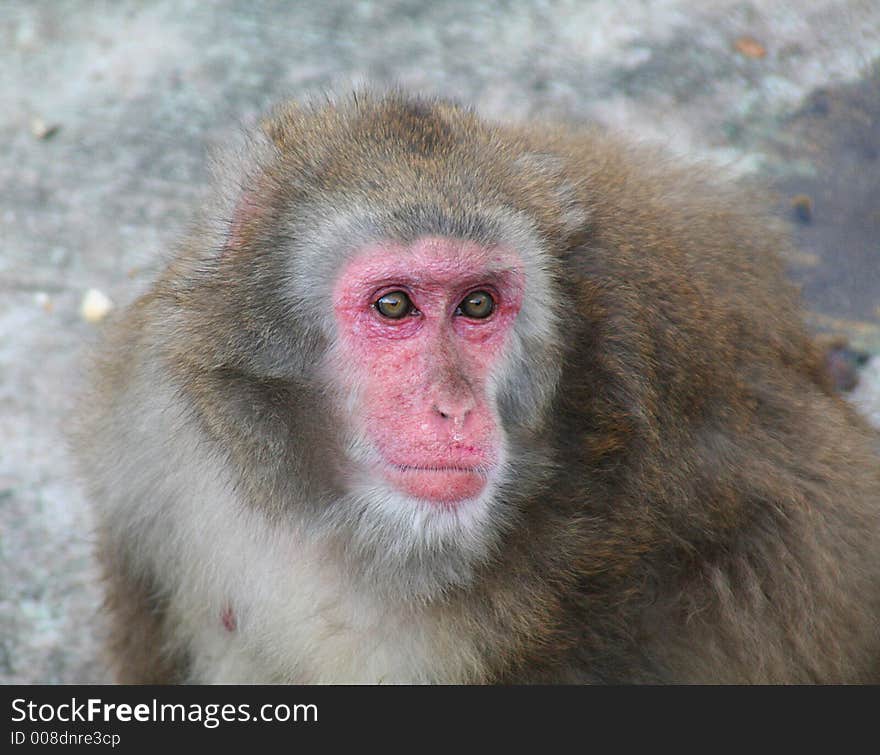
<point>439,468</point>
<point>446,484</point>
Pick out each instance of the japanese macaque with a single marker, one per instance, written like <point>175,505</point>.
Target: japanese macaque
<point>427,399</point>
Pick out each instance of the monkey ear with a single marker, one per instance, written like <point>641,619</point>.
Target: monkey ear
<point>244,187</point>
<point>244,220</point>
<point>550,170</point>
<point>248,173</point>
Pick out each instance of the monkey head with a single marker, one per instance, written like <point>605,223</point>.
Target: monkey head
<point>420,324</point>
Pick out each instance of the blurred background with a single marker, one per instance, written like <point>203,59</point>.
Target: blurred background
<point>109,110</point>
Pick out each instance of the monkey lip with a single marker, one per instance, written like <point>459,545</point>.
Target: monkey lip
<point>443,483</point>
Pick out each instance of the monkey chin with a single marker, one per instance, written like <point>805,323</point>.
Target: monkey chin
<point>445,486</point>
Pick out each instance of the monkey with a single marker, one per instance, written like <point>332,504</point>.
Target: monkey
<point>428,399</point>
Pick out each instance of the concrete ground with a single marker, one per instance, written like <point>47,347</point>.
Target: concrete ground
<point>109,109</point>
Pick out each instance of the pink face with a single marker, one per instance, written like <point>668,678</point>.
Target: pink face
<point>422,329</point>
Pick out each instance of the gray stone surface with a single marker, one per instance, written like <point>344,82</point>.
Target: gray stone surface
<point>108,109</point>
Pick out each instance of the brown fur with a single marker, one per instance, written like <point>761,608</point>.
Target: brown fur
<point>708,510</point>
<point>136,645</point>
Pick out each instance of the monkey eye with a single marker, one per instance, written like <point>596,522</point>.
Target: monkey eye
<point>394,305</point>
<point>477,305</point>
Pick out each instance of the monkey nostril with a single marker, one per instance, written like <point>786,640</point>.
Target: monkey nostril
<point>459,414</point>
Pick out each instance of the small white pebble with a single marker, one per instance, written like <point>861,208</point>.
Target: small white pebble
<point>42,130</point>
<point>44,301</point>
<point>95,306</point>
<point>866,395</point>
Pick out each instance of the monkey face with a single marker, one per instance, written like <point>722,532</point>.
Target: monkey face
<point>424,327</point>
<point>430,331</point>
